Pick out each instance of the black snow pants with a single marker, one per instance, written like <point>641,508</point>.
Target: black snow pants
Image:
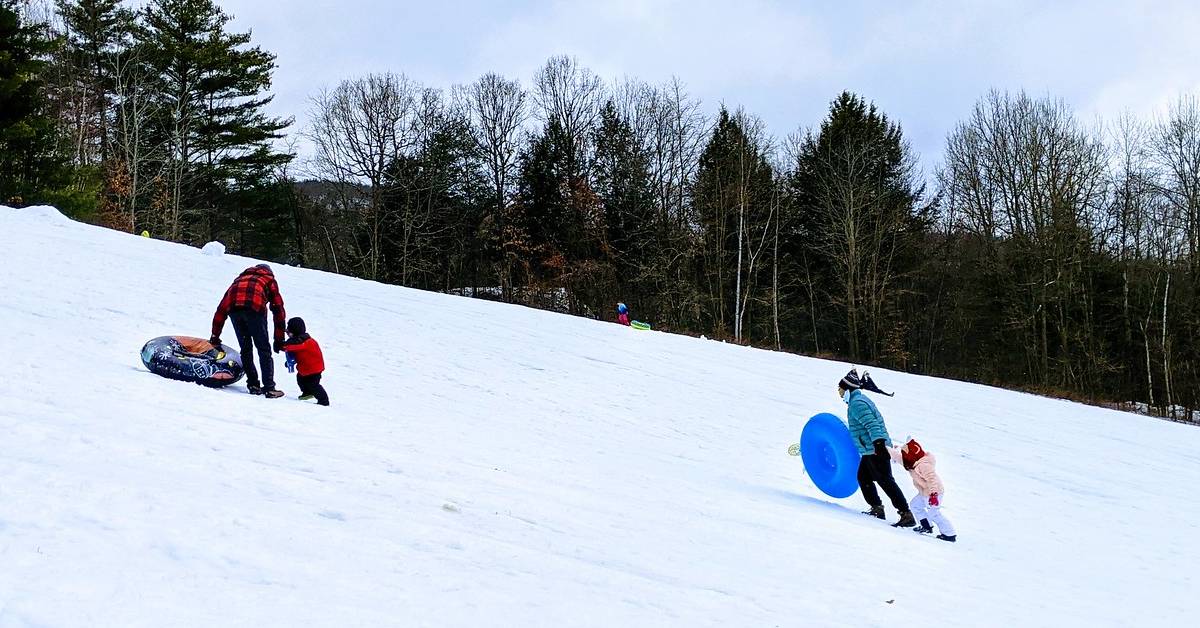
<point>874,469</point>
<point>311,385</point>
<point>251,330</point>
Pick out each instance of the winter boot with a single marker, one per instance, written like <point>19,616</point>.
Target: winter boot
<point>307,396</point>
<point>274,393</point>
<point>951,538</point>
<point>924,528</point>
<point>875,511</point>
<point>254,389</point>
<point>906,520</point>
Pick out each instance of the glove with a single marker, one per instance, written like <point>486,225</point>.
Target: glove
<point>215,341</point>
<point>278,346</point>
<point>290,362</point>
<point>881,449</point>
<point>933,500</point>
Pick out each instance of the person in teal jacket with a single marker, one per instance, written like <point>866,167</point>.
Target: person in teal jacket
<point>871,436</point>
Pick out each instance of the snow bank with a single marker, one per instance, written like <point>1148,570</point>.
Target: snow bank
<point>487,464</point>
<point>38,214</point>
<point>215,249</point>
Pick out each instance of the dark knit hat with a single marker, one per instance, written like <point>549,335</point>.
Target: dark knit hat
<point>850,381</point>
<point>295,326</point>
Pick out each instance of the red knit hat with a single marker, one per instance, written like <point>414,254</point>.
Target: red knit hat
<point>911,453</point>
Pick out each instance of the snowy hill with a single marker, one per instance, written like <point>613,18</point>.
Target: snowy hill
<point>492,465</point>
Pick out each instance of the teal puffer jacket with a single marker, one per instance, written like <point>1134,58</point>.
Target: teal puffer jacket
<point>866,424</point>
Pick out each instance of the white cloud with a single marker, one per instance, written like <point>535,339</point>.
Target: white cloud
<point>709,44</point>
<point>924,62</point>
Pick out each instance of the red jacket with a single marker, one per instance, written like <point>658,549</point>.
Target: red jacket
<point>307,352</point>
<point>254,290</point>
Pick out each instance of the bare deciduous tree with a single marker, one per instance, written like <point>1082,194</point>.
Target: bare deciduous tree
<point>1176,146</point>
<point>752,235</point>
<point>498,112</point>
<point>571,96</point>
<point>1024,170</point>
<point>134,106</point>
<point>357,130</point>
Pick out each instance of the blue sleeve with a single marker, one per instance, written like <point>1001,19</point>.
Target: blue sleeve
<point>872,422</point>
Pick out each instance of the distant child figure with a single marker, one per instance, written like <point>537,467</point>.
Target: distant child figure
<point>622,314</point>
<point>305,353</point>
<point>926,505</point>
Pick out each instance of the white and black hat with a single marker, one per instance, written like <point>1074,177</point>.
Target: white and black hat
<point>850,381</point>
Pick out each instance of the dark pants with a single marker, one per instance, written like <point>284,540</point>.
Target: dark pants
<point>251,330</point>
<point>877,468</point>
<point>311,385</point>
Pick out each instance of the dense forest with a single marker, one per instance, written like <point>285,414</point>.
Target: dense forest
<point>1043,253</point>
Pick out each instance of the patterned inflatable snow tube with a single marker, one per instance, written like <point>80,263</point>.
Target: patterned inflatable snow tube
<point>830,456</point>
<point>189,359</point>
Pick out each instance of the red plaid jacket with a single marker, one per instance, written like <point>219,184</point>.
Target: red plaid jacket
<point>254,289</point>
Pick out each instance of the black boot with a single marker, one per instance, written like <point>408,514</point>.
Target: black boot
<point>951,538</point>
<point>875,511</point>
<point>924,528</point>
<point>906,520</point>
<point>254,389</point>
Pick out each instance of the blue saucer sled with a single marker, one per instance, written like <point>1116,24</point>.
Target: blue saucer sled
<point>830,456</point>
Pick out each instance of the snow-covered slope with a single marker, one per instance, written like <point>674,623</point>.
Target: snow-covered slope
<point>492,465</point>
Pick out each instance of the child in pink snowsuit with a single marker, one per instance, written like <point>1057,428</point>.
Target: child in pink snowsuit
<point>926,505</point>
<point>622,314</point>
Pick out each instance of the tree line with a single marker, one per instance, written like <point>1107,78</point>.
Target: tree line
<point>1043,253</point>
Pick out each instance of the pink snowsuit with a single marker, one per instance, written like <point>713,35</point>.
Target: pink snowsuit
<point>623,318</point>
<point>926,479</point>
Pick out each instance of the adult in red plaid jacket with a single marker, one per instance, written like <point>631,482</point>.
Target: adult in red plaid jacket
<point>245,304</point>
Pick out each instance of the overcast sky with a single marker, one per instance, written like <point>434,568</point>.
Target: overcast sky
<point>924,63</point>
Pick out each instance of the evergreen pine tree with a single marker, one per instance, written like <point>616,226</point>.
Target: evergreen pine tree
<point>542,196</point>
<point>211,86</point>
<point>95,32</point>
<point>562,218</point>
<point>31,170</point>
<point>858,222</point>
<point>621,176</point>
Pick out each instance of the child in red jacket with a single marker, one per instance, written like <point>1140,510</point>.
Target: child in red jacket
<point>304,352</point>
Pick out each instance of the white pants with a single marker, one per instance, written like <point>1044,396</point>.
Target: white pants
<point>919,505</point>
